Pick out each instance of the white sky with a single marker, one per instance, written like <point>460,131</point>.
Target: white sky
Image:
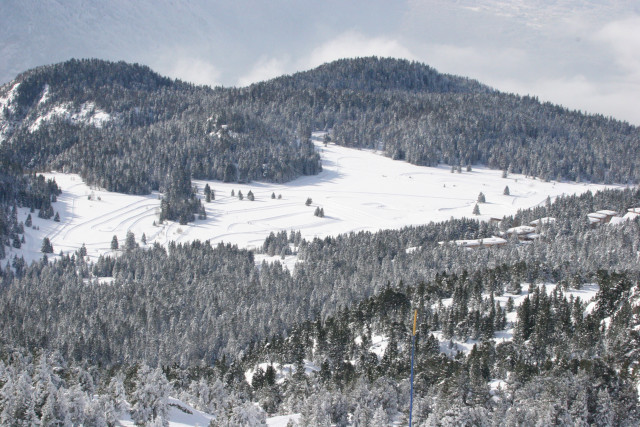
<point>583,54</point>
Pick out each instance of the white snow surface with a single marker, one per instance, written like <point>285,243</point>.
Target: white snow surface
<point>87,113</point>
<point>358,190</point>
<point>180,415</point>
<point>282,420</point>
<point>6,108</point>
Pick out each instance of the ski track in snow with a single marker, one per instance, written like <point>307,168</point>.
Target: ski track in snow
<point>358,190</point>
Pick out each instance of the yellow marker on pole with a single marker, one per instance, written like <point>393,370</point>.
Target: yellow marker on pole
<point>415,318</point>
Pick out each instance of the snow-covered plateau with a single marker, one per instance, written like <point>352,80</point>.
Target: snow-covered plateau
<point>357,189</point>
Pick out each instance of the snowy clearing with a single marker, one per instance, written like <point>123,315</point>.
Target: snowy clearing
<point>358,190</point>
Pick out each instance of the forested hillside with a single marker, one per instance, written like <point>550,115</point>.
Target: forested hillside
<point>82,342</point>
<point>203,314</point>
<point>126,129</point>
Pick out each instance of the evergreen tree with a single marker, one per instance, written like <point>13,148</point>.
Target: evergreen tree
<point>476,210</point>
<point>114,243</point>
<point>150,397</point>
<point>506,191</point>
<point>130,242</point>
<point>46,248</point>
<point>481,198</point>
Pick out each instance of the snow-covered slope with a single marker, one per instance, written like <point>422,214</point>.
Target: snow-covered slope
<point>358,190</point>
<point>45,110</point>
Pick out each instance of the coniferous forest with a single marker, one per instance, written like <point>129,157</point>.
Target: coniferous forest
<point>81,342</point>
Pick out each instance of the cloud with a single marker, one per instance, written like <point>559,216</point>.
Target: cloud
<point>190,69</point>
<point>474,61</point>
<point>350,44</point>
<point>578,92</point>
<point>623,38</point>
<point>353,44</point>
<point>264,69</point>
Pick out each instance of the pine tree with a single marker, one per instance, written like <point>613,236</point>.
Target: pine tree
<point>130,241</point>
<point>308,202</point>
<point>57,217</point>
<point>481,198</point>
<point>506,191</point>
<point>250,196</point>
<point>114,243</point>
<point>240,196</point>
<point>28,222</point>
<point>476,210</point>
<point>270,376</point>
<point>207,193</point>
<point>150,396</point>
<point>273,195</point>
<point>46,248</point>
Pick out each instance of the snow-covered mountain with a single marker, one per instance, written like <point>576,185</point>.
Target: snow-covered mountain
<point>579,54</point>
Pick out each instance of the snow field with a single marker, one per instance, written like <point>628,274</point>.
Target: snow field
<point>358,190</point>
